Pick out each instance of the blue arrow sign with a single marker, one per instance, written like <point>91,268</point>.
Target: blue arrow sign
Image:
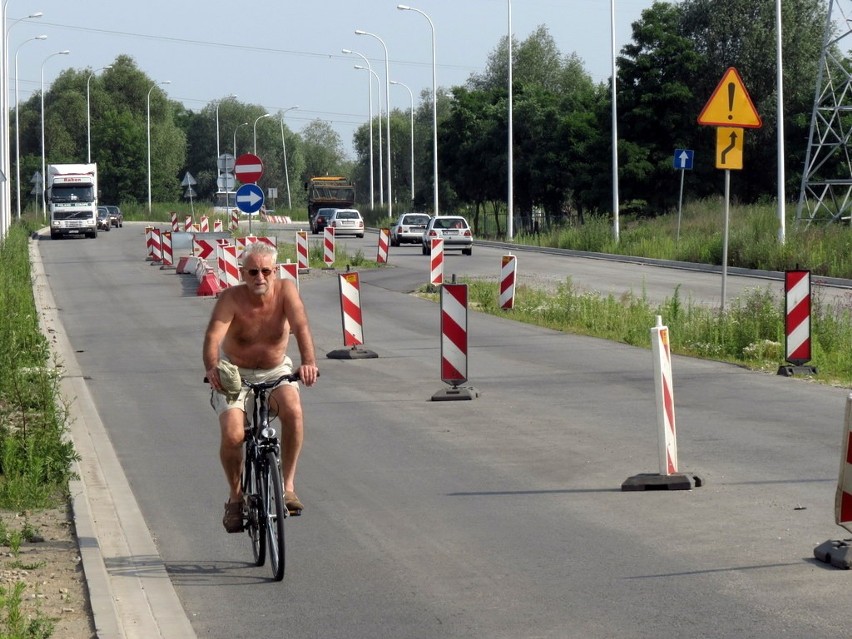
<point>249,198</point>
<point>683,159</point>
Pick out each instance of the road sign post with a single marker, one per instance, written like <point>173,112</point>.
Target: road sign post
<point>249,200</point>
<point>730,108</point>
<point>683,161</point>
<point>248,169</point>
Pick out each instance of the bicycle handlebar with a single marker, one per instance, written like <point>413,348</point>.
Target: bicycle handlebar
<point>289,377</point>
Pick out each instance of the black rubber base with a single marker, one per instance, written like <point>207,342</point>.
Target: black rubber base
<point>651,481</point>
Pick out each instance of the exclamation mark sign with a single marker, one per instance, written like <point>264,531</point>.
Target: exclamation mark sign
<point>732,87</point>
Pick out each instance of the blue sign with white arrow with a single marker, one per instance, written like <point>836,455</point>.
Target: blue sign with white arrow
<point>249,198</point>
<point>683,159</point>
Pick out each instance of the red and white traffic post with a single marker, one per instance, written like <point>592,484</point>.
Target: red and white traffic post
<point>328,246</point>
<point>156,245</point>
<point>166,245</point>
<point>227,265</point>
<point>797,323</point>
<point>454,343</point>
<point>382,254</point>
<point>175,224</point>
<point>436,261</point>
<point>508,273</point>
<point>302,259</point>
<point>352,320</point>
<point>289,271</point>
<point>838,553</point>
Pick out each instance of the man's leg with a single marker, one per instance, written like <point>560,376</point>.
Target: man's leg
<point>289,406</point>
<point>232,426</point>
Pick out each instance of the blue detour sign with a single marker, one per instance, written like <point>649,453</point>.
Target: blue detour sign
<point>249,198</point>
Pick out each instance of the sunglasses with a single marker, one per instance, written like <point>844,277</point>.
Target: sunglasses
<point>254,271</point>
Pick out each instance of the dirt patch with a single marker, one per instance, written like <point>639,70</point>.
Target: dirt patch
<point>49,565</point>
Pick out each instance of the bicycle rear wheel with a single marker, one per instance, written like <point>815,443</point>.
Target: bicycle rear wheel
<point>253,492</point>
<point>274,504</point>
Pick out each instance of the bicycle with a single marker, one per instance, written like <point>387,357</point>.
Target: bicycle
<point>261,479</point>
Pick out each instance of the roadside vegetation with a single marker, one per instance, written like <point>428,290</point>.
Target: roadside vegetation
<point>35,455</point>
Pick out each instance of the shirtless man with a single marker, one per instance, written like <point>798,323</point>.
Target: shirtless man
<point>250,327</point>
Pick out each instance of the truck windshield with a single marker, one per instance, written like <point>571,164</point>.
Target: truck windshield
<point>71,193</point>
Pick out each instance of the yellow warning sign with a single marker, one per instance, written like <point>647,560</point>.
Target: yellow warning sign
<point>729,148</point>
<point>730,104</point>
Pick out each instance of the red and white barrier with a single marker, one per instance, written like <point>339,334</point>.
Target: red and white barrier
<point>156,245</point>
<point>436,262</point>
<point>382,254</point>
<point>302,259</point>
<point>843,496</point>
<point>187,223</point>
<point>217,226</point>
<point>275,219</point>
<point>203,248</point>
<point>797,285</point>
<point>227,265</point>
<point>350,309</point>
<point>204,224</point>
<point>661,350</point>
<point>235,220</point>
<point>508,275</point>
<point>166,246</point>
<point>453,333</point>
<point>149,242</point>
<point>328,246</point>
<point>289,271</point>
<point>175,225</point>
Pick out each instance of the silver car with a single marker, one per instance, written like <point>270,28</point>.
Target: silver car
<point>408,228</point>
<point>453,229</point>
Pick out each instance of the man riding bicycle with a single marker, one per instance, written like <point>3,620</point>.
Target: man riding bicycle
<point>249,328</point>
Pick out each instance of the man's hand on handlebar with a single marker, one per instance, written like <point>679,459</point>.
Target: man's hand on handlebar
<point>308,374</point>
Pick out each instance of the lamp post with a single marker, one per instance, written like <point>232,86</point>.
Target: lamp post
<point>370,101</point>
<point>43,179</point>
<point>88,110</point>
<point>6,142</point>
<point>265,115</point>
<point>615,230</point>
<point>284,153</point>
<point>510,195</point>
<point>18,129</point>
<point>381,170</point>
<point>387,105</point>
<point>411,95</point>
<point>230,97</point>
<point>153,86</point>
<point>404,7</point>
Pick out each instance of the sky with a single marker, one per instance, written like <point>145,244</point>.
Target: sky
<point>280,54</point>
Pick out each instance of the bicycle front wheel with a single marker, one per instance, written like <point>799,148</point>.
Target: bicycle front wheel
<point>274,503</point>
<point>253,491</point>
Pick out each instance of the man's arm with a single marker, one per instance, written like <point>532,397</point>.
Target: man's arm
<point>217,328</point>
<point>298,318</point>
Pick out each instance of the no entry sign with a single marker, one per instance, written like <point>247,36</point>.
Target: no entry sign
<point>248,168</point>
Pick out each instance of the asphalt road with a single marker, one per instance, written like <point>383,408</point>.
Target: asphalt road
<point>498,517</point>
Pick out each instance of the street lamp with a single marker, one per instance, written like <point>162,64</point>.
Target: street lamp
<point>227,181</point>
<point>370,101</point>
<point>235,137</point>
<point>230,97</point>
<point>284,152</point>
<point>265,115</point>
<point>411,95</point>
<point>387,105</point>
<point>43,179</point>
<point>404,7</point>
<point>18,128</point>
<point>88,110</point>
<point>5,141</point>
<point>379,93</point>
<point>153,86</point>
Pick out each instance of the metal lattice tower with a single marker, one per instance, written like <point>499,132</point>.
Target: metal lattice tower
<point>826,193</point>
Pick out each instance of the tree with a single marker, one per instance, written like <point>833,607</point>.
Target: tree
<point>322,151</point>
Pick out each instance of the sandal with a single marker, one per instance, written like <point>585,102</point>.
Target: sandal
<point>293,504</point>
<point>233,519</point>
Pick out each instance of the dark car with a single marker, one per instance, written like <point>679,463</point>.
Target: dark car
<point>320,219</point>
<point>103,219</point>
<point>116,217</point>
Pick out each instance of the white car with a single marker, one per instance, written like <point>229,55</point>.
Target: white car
<point>346,221</point>
<point>453,229</point>
<point>408,228</point>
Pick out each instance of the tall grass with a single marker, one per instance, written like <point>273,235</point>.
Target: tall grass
<point>753,239</point>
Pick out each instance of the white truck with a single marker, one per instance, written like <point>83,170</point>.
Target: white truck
<point>72,197</point>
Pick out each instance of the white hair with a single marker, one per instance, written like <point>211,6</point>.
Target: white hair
<point>260,249</point>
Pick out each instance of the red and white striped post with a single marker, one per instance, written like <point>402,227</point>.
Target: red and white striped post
<point>235,220</point>
<point>156,245</point>
<point>797,323</point>
<point>665,397</point>
<point>149,242</point>
<point>436,261</point>
<point>838,552</point>
<point>227,265</point>
<point>508,274</point>
<point>289,271</point>
<point>168,258</point>
<point>187,223</point>
<point>350,309</point>
<point>453,333</point>
<point>217,226</point>
<point>382,253</point>
<point>328,246</point>
<point>302,259</point>
<point>204,224</point>
<point>175,224</point>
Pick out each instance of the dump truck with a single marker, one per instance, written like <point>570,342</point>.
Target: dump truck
<point>329,192</point>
